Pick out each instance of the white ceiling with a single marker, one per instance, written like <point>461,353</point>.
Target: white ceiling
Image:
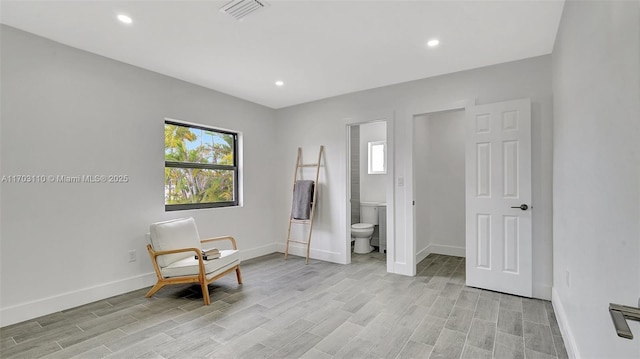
<point>318,48</point>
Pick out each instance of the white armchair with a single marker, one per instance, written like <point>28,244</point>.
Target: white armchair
<point>174,246</point>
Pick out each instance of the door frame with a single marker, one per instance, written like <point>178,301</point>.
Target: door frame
<point>389,119</point>
<point>408,267</point>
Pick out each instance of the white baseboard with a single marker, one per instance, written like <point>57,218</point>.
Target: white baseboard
<point>37,308</point>
<point>25,311</point>
<point>258,252</point>
<point>446,250</point>
<point>301,251</point>
<point>565,328</point>
<point>422,254</point>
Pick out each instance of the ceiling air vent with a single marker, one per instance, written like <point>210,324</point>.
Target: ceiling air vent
<point>239,9</point>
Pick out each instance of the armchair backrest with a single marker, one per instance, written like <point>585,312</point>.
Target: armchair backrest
<point>174,234</point>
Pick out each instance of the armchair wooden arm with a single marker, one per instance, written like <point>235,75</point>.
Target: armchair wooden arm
<point>233,246</point>
<point>154,254</point>
<point>231,239</point>
<point>159,253</point>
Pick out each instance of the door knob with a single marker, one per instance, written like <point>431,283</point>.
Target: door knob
<point>523,207</point>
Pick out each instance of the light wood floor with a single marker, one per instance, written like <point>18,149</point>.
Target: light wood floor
<point>286,309</point>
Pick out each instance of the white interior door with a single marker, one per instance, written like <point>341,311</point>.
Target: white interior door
<point>498,197</point>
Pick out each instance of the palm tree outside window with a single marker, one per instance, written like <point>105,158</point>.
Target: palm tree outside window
<point>201,167</point>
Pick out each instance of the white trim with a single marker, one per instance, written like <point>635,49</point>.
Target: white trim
<point>453,105</point>
<point>422,254</point>
<point>30,310</point>
<point>391,194</point>
<point>440,249</point>
<point>447,250</point>
<point>346,248</point>
<point>563,323</point>
<point>410,181</point>
<point>37,308</point>
<point>300,251</point>
<point>258,251</point>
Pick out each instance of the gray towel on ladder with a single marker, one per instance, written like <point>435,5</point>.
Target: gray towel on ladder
<point>302,196</point>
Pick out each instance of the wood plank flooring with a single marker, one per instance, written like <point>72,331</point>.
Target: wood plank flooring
<point>286,309</point>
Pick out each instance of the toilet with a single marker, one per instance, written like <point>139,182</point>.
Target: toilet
<point>361,232</point>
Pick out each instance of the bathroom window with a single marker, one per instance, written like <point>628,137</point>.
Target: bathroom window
<point>200,167</point>
<point>377,157</point>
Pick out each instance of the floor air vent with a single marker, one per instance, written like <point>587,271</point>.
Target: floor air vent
<point>239,9</point>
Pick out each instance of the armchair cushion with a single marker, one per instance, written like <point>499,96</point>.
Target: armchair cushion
<point>190,265</point>
<point>175,234</point>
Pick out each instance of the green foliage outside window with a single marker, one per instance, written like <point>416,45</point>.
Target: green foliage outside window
<point>200,167</point>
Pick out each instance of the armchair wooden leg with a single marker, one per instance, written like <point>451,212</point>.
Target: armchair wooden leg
<point>154,289</point>
<point>205,292</point>
<point>238,275</point>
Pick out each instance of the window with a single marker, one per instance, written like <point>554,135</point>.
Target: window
<point>200,168</point>
<point>377,157</point>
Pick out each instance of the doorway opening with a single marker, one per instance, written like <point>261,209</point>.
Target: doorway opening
<point>367,185</point>
<point>482,213</point>
<point>439,183</point>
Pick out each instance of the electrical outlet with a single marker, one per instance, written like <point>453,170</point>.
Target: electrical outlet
<point>132,255</point>
<point>567,276</point>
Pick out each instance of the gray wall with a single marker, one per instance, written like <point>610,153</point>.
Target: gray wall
<point>66,111</point>
<point>69,112</point>
<point>439,150</point>
<point>324,122</point>
<point>596,174</point>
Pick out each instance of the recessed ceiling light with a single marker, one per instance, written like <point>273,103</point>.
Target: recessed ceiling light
<point>125,19</point>
<point>279,83</point>
<point>433,43</point>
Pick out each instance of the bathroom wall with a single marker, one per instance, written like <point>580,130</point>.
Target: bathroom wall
<point>439,183</point>
<point>372,187</point>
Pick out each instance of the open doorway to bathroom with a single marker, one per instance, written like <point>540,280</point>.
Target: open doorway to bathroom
<point>367,188</point>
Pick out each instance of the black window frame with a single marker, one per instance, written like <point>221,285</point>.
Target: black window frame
<point>234,167</point>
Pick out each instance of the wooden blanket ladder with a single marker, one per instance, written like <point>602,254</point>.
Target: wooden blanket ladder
<point>298,171</point>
